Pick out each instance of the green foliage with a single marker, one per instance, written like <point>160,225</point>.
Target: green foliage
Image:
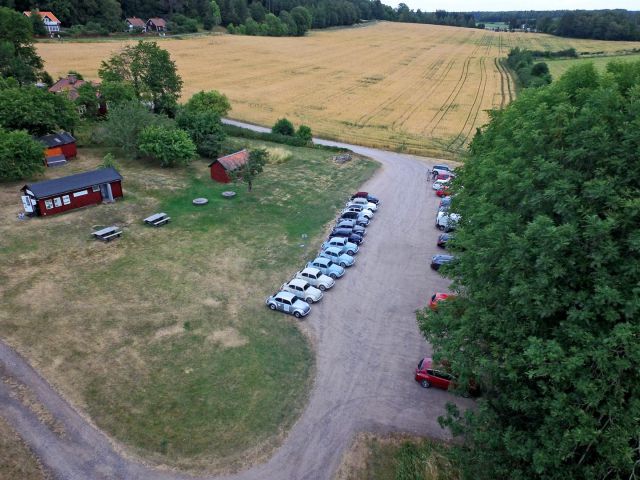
<point>169,146</point>
<point>35,110</point>
<point>204,128</point>
<point>215,13</point>
<point>37,25</point>
<point>547,278</point>
<point>529,74</point>
<point>254,166</point>
<point>115,93</point>
<point>20,155</point>
<point>124,123</point>
<point>283,127</point>
<point>75,73</point>
<point>87,97</point>
<point>151,72</point>
<point>257,11</point>
<point>235,131</point>
<point>90,29</point>
<point>109,161</point>
<point>304,133</point>
<point>210,101</point>
<point>181,24</point>
<point>18,56</point>
<point>302,18</point>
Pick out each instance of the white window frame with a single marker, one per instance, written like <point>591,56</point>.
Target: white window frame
<point>48,204</point>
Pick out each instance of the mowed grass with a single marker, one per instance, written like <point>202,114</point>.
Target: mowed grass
<point>163,336</point>
<point>16,460</point>
<point>558,67</point>
<point>407,87</point>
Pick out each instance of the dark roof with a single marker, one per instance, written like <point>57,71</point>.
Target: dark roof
<point>73,183</point>
<point>57,139</point>
<point>233,160</point>
<point>136,22</point>
<point>158,22</point>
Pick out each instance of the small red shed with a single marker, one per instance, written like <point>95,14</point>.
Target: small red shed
<point>156,24</point>
<point>75,191</point>
<point>59,147</point>
<point>222,165</point>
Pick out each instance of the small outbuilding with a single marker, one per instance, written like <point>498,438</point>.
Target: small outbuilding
<point>156,25</point>
<point>58,148</point>
<point>135,24</point>
<point>220,167</point>
<point>75,191</point>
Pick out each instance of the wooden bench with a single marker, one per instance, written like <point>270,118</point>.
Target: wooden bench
<point>157,219</point>
<point>107,234</point>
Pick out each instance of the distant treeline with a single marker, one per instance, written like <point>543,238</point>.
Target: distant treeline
<point>595,24</point>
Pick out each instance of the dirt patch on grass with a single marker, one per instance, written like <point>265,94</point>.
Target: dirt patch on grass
<point>227,338</point>
<point>168,332</point>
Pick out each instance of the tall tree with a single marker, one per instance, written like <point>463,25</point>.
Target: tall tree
<point>548,282</point>
<point>150,70</point>
<point>18,57</point>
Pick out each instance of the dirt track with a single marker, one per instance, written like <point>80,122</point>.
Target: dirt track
<point>367,345</point>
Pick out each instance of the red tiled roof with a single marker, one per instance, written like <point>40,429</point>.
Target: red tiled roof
<point>51,16</point>
<point>233,160</point>
<point>158,22</point>
<point>136,22</point>
<point>69,85</point>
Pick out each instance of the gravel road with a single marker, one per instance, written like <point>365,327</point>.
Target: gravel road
<point>367,345</point>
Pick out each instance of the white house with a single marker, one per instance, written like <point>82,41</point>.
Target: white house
<point>51,23</point>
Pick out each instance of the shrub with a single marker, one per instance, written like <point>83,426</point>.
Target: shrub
<point>283,127</point>
<point>205,129</point>
<point>304,133</point>
<point>169,146</point>
<point>211,100</point>
<point>125,122</point>
<point>20,155</point>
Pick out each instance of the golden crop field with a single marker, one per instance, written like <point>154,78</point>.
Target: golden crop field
<point>417,88</point>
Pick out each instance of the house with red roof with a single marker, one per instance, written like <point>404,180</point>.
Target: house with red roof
<point>156,25</point>
<point>69,85</point>
<point>220,167</point>
<point>51,22</point>
<point>135,23</point>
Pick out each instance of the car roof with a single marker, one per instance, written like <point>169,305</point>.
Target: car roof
<point>285,295</point>
<point>338,239</point>
<point>321,260</point>
<point>332,249</point>
<point>442,256</point>
<point>441,166</point>
<point>312,270</point>
<point>298,282</point>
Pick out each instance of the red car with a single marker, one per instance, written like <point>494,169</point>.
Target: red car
<point>429,374</point>
<point>444,191</point>
<point>438,297</point>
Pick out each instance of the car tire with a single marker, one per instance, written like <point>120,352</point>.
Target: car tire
<point>425,384</point>
<point>343,265</point>
<point>297,314</point>
<point>333,275</point>
<point>351,252</point>
<point>322,287</point>
<point>441,227</point>
<point>272,306</point>
<point>309,300</point>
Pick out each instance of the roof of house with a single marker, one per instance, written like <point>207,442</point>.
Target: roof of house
<point>158,22</point>
<point>57,139</point>
<point>73,183</point>
<point>136,22</point>
<point>233,160</point>
<point>70,85</point>
<point>51,16</point>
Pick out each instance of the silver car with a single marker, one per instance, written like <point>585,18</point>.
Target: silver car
<point>288,303</point>
<point>364,202</point>
<point>334,254</point>
<point>303,290</point>
<point>343,244</point>
<point>316,278</point>
<point>359,209</point>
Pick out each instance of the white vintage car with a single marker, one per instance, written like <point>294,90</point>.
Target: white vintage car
<point>288,303</point>
<point>316,278</point>
<point>303,290</point>
<point>364,202</point>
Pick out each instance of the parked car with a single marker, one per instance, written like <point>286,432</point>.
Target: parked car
<point>364,202</point>
<point>441,169</point>
<point>350,223</point>
<point>444,191</point>
<point>371,198</point>
<point>438,297</point>
<point>438,260</point>
<point>439,184</point>
<point>316,278</point>
<point>429,374</point>
<point>303,290</point>
<point>443,239</point>
<point>358,217</point>
<point>447,221</point>
<point>359,209</point>
<point>326,266</point>
<point>347,233</point>
<point>343,244</point>
<point>287,302</point>
<point>445,201</point>
<point>335,254</point>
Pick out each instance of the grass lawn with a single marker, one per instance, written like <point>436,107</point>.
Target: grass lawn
<point>16,460</point>
<point>558,67</point>
<point>396,458</point>
<point>162,336</point>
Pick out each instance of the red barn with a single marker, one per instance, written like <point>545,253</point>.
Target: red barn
<point>75,191</point>
<point>225,164</point>
<point>59,147</point>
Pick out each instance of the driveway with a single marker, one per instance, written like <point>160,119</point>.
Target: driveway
<point>367,345</point>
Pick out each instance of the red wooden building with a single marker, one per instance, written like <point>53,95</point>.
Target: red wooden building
<point>222,165</point>
<point>75,191</point>
<point>59,147</point>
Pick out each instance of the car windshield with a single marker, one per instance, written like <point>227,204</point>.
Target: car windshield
<point>329,263</point>
<point>305,286</point>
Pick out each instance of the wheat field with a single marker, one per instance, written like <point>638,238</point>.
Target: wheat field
<point>415,88</point>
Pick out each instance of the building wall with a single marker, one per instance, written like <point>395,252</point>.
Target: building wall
<point>219,174</point>
<point>53,151</point>
<point>69,150</point>
<point>116,189</point>
<point>75,200</point>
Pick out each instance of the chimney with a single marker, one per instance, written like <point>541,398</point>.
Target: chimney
<point>72,79</point>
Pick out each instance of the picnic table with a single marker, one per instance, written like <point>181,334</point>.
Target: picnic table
<point>157,219</point>
<point>107,234</point>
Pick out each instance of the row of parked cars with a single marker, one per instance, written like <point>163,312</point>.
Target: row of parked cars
<point>336,254</point>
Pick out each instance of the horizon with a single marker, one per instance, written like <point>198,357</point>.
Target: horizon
<point>509,6</point>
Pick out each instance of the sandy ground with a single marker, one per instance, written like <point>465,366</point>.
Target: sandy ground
<point>367,345</point>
